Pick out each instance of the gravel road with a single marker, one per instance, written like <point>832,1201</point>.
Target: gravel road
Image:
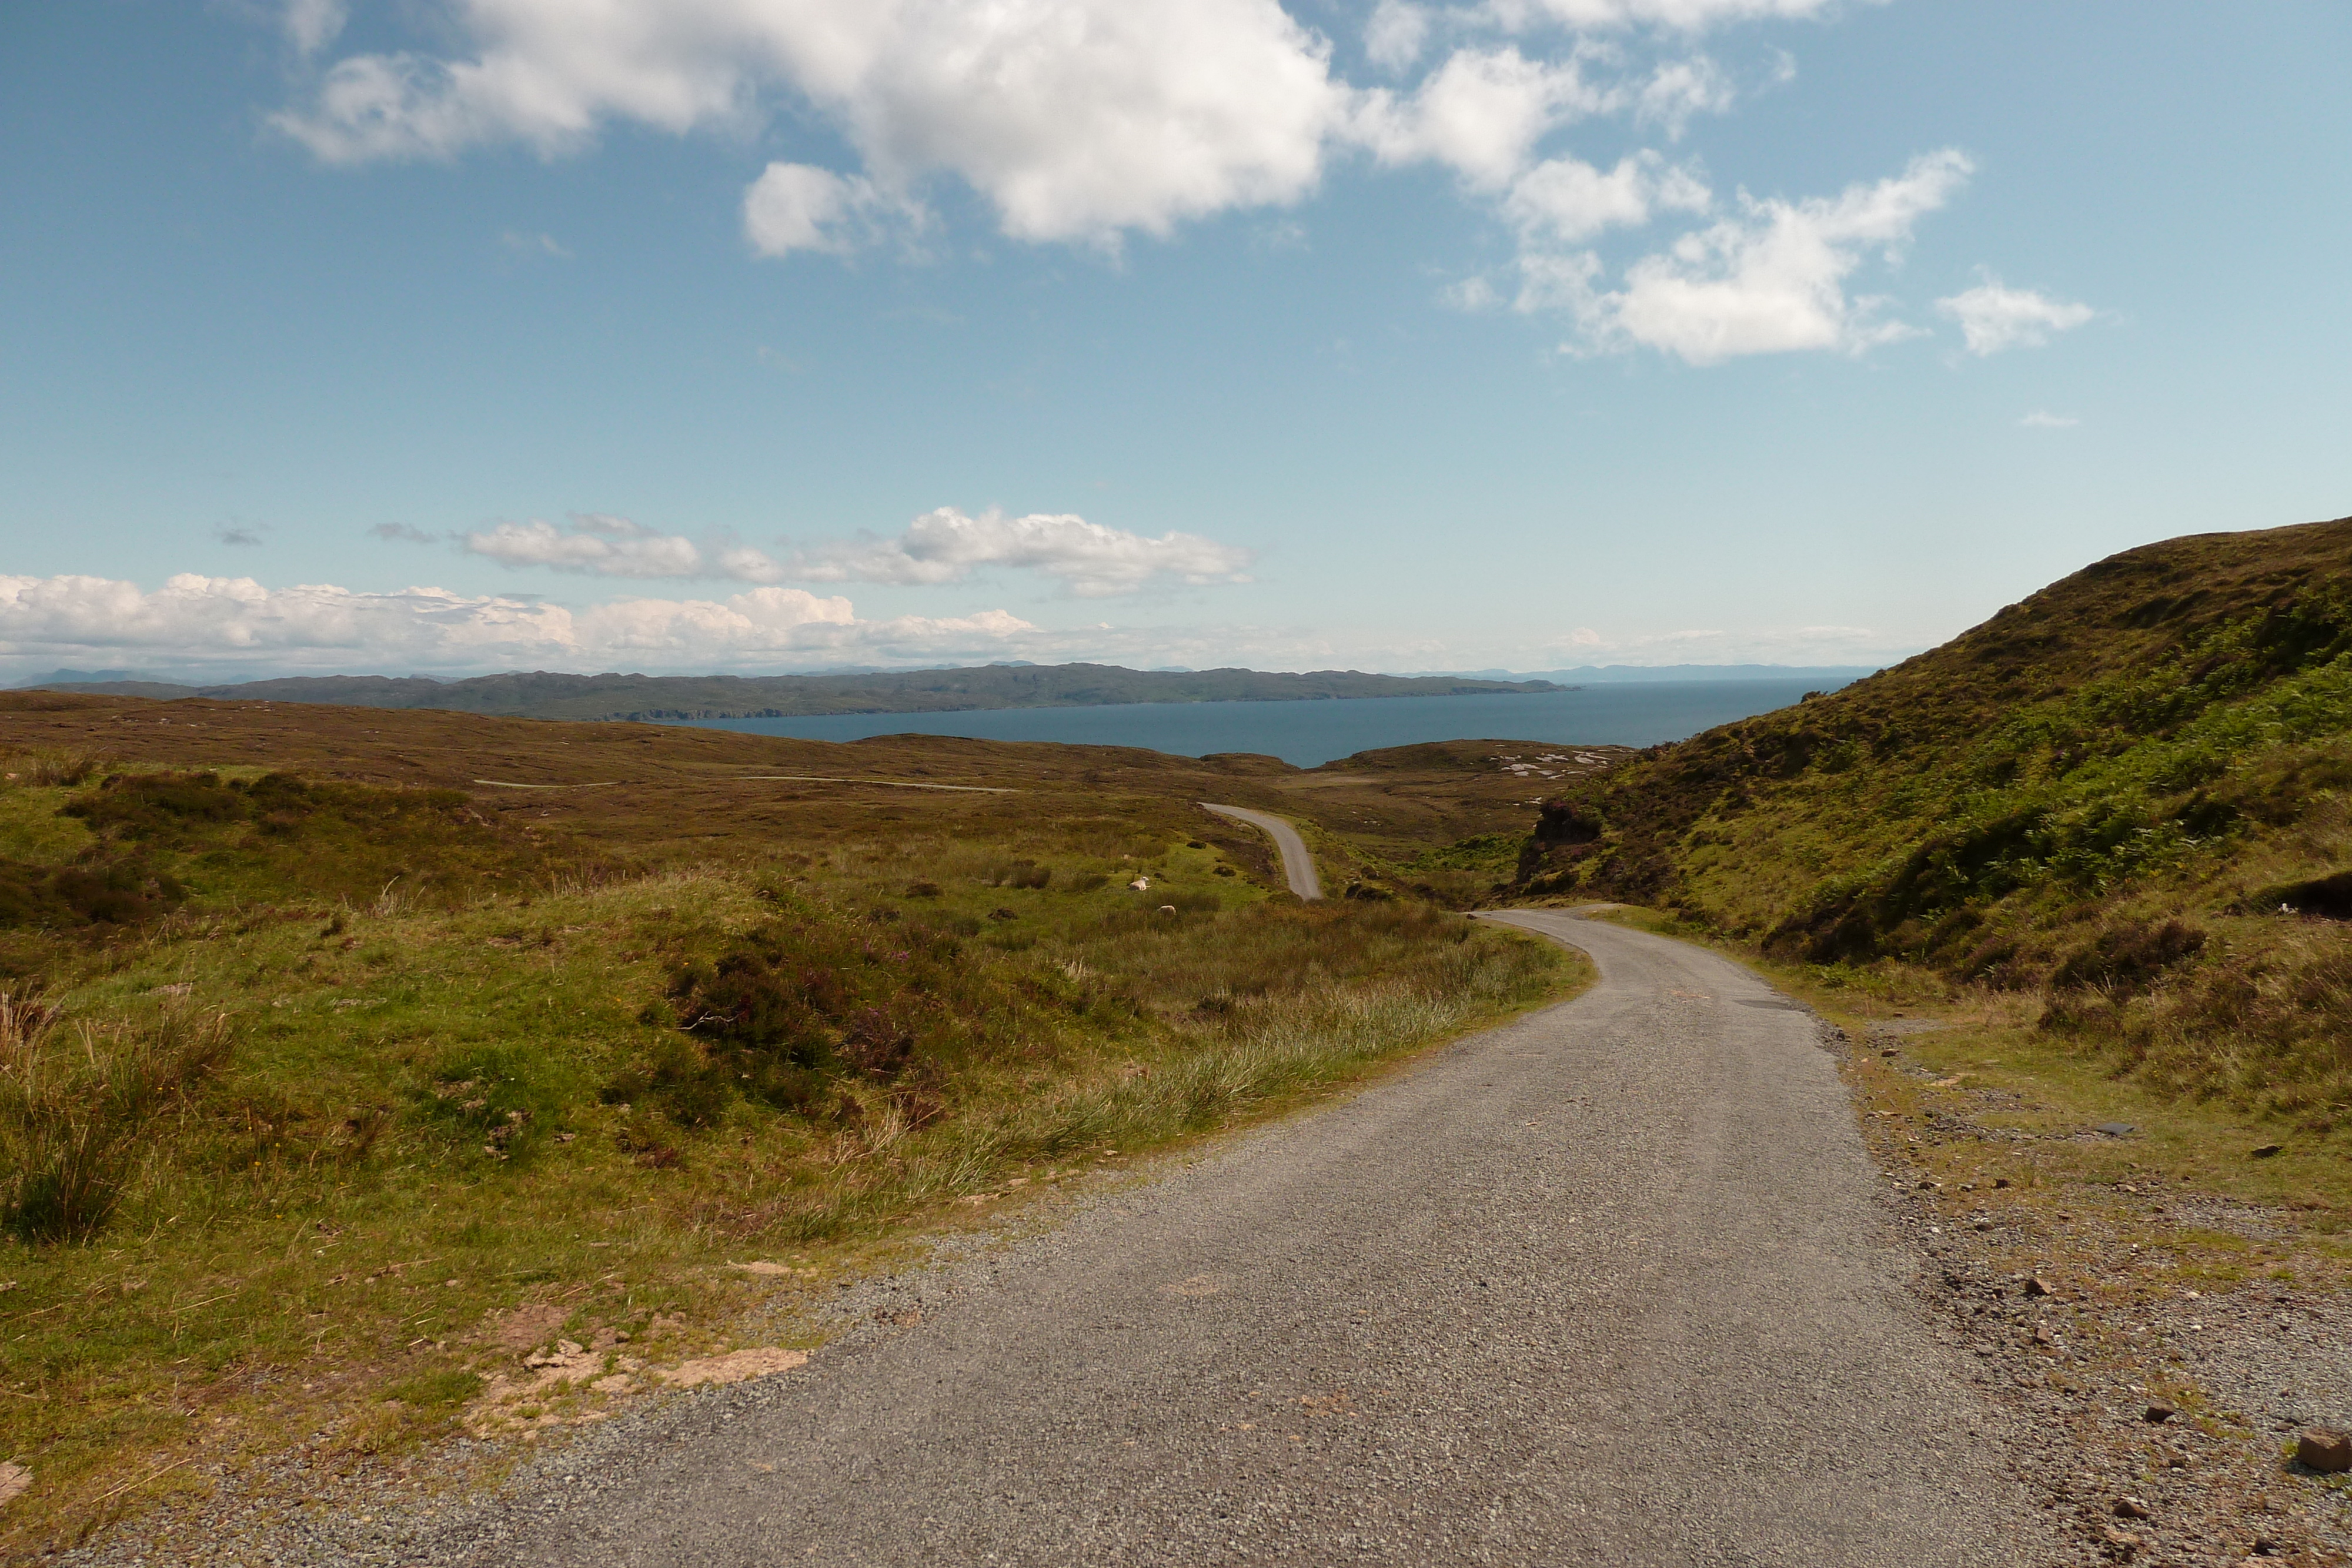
<point>1298,865</point>
<point>1604,1286</point>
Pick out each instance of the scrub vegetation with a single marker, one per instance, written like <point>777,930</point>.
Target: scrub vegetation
<point>328,1069</point>
<point>2121,802</point>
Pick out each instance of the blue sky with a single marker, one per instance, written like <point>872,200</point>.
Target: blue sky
<point>456,334</point>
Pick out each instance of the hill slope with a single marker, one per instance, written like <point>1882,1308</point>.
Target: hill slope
<point>2125,791</point>
<point>541,695</point>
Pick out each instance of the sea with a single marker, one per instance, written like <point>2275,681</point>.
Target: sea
<point>1308,734</point>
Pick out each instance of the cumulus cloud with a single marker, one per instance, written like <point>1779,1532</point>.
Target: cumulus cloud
<point>1078,119</point>
<point>217,622</point>
<point>1771,280</point>
<point>1993,318</point>
<point>1566,199</point>
<point>312,24</point>
<point>615,546</point>
<point>1687,16</point>
<point>798,206</point>
<point>1480,113</point>
<point>1396,34</point>
<point>1679,90</point>
<point>942,546</point>
<point>1090,561</point>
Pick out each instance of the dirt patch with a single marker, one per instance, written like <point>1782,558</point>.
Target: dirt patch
<point>736,1366</point>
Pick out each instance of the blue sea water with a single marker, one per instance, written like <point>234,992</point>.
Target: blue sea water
<point>1307,734</point>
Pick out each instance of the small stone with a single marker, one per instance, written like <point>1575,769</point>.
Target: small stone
<point>2131,1508</point>
<point>2116,1129</point>
<point>1888,1052</point>
<point>2157,1414</point>
<point>2000,1182</point>
<point>14,1481</point>
<point>2324,1448</point>
<point>2266,1151</point>
<point>2038,1286</point>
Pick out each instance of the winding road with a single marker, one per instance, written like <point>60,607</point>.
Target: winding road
<point>1607,1285</point>
<point>1297,864</point>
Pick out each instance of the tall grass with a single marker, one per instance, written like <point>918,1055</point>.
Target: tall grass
<point>74,1102</point>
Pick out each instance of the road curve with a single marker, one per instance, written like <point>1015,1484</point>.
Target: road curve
<point>1298,865</point>
<point>1604,1286</point>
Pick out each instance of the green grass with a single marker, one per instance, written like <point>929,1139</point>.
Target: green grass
<point>2097,800</point>
<point>506,1089</point>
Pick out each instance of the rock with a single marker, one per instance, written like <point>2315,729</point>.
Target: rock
<point>2131,1508</point>
<point>2116,1129</point>
<point>2266,1151</point>
<point>2324,1448</point>
<point>2038,1286</point>
<point>2157,1414</point>
<point>14,1481</point>
<point>1166,909</point>
<point>736,1366</point>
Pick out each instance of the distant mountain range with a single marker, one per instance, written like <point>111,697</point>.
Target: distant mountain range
<point>540,694</point>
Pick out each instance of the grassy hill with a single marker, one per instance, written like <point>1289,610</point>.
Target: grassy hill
<point>2124,796</point>
<point>540,694</point>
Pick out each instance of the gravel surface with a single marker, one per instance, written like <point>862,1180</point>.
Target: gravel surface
<point>1297,864</point>
<point>1614,1284</point>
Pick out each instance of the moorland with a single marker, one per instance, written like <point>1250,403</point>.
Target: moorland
<point>343,1046</point>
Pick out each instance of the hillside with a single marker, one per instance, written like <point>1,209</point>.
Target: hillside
<point>540,694</point>
<point>2123,794</point>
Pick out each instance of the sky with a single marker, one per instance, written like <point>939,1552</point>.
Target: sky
<point>451,336</point>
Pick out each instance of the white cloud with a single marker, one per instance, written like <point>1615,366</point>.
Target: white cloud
<point>1993,318</point>
<point>1717,645</point>
<point>2042,420</point>
<point>615,546</point>
<point>1678,89</point>
<point>312,24</point>
<point>1091,560</point>
<point>796,206</point>
<point>523,243</point>
<point>1687,16</point>
<point>1077,119</point>
<point>1566,200</point>
<point>1394,36</point>
<point>1480,113</point>
<point>226,622</point>
<point>943,546</point>
<point>1769,280</point>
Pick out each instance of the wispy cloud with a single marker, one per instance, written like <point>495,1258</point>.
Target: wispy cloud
<point>2040,420</point>
<point>1993,317</point>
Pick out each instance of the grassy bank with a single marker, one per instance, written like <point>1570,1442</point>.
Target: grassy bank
<point>365,1091</point>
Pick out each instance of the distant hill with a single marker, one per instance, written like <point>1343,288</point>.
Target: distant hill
<point>1825,675</point>
<point>540,694</point>
<point>2130,793</point>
